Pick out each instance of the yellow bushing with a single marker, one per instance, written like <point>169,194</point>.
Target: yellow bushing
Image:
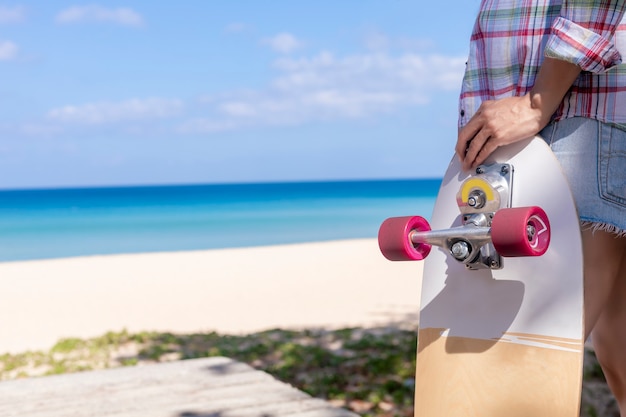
<point>476,183</point>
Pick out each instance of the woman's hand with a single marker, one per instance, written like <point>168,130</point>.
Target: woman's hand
<point>508,120</point>
<point>498,123</point>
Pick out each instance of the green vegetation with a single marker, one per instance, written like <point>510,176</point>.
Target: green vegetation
<point>370,371</point>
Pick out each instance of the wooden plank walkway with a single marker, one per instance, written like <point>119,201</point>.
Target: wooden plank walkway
<point>211,387</point>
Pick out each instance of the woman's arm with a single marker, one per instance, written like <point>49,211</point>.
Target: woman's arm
<point>581,38</point>
<point>505,121</point>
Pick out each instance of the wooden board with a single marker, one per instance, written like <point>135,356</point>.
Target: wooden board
<point>218,387</point>
<point>505,342</point>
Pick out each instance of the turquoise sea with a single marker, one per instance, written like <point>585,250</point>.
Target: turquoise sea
<point>40,224</point>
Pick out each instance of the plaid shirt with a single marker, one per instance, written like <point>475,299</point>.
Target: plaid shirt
<point>511,37</point>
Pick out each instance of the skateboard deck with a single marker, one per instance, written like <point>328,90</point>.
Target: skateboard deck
<point>500,332</point>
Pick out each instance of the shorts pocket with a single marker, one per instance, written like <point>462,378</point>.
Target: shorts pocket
<point>612,164</point>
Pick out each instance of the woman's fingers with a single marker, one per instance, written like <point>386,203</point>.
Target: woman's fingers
<point>472,140</point>
<point>466,134</point>
<point>496,123</point>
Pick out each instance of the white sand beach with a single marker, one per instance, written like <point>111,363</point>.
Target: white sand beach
<point>329,284</point>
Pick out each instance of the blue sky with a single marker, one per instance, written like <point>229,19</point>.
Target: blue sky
<point>208,91</point>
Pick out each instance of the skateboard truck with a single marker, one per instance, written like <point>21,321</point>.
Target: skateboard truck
<point>490,229</point>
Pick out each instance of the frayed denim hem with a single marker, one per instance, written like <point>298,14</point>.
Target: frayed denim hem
<point>604,227</point>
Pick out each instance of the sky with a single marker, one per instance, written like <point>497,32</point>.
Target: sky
<point>209,91</point>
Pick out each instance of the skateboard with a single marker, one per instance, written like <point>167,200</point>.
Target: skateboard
<point>501,312</point>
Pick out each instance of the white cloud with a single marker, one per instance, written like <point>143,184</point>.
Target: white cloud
<point>307,89</point>
<point>206,125</point>
<point>377,41</point>
<point>8,50</point>
<point>283,43</point>
<point>40,130</point>
<point>12,14</point>
<point>95,13</point>
<point>327,87</point>
<point>237,109</point>
<point>113,112</point>
<point>236,27</point>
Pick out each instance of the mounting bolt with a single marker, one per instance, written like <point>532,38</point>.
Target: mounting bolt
<point>477,199</point>
<point>460,250</point>
<point>480,170</point>
<point>504,170</point>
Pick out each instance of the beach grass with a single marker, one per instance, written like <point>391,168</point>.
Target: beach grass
<point>369,371</point>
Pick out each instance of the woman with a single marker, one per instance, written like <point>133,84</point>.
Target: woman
<point>553,67</point>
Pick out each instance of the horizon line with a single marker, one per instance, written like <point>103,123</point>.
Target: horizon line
<point>202,184</point>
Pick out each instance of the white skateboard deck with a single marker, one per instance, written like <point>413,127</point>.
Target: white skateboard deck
<point>507,342</point>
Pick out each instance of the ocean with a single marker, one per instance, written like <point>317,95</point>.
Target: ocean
<point>57,223</point>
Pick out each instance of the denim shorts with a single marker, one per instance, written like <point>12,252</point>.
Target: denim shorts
<point>593,157</point>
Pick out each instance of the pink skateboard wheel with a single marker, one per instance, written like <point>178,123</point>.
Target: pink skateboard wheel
<point>521,231</point>
<point>394,238</point>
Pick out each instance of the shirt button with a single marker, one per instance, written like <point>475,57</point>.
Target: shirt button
<point>462,113</point>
